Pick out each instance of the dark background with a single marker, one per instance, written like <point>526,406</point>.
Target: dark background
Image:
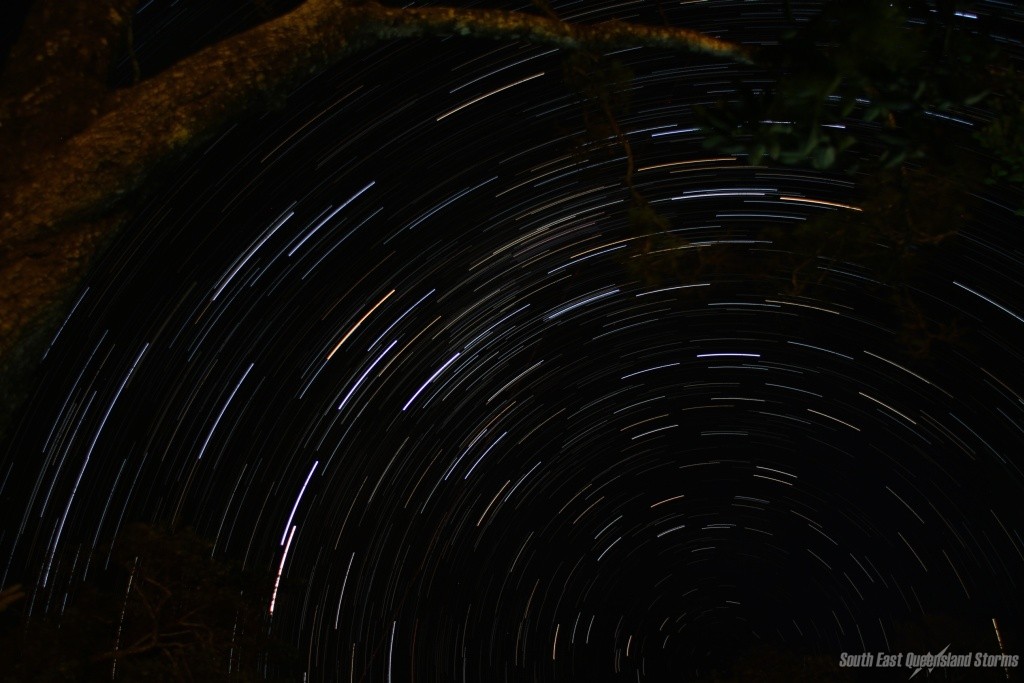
<point>479,222</point>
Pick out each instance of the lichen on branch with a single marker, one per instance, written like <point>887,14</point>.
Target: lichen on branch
<point>75,183</point>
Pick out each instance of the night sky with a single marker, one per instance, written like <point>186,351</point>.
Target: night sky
<point>390,342</point>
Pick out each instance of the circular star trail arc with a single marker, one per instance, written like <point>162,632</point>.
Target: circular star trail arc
<point>389,345</point>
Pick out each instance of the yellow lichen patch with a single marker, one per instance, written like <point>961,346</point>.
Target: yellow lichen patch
<point>180,134</point>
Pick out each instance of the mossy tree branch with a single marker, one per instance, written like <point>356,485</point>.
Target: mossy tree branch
<point>84,153</point>
<point>188,104</point>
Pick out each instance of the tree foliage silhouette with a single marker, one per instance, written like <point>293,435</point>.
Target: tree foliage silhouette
<point>164,610</point>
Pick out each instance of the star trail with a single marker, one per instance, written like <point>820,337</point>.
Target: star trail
<point>390,345</point>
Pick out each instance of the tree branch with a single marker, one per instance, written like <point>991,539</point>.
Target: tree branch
<point>57,74</point>
<point>185,106</point>
<point>414,22</point>
<point>65,205</point>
